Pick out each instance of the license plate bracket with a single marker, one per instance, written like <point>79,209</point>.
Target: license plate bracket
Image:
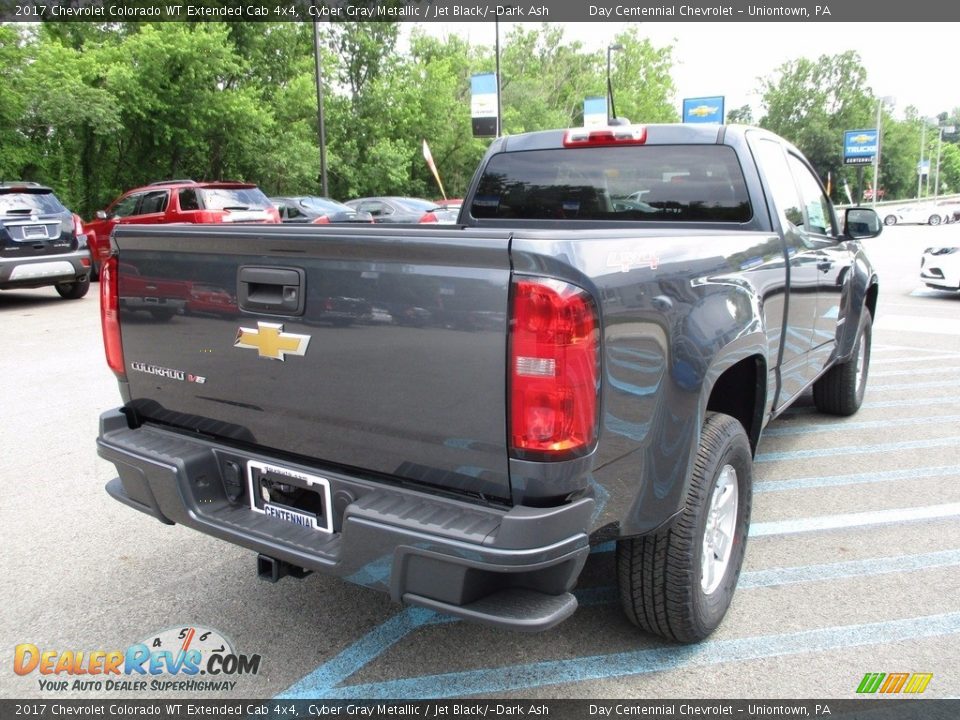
<point>290,496</point>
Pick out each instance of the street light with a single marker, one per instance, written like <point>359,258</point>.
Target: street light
<point>320,124</point>
<point>885,100</point>
<point>611,110</point>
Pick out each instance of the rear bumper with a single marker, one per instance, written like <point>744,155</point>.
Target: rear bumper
<point>30,272</point>
<point>507,567</point>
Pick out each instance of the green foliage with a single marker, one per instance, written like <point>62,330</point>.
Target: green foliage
<point>811,104</point>
<point>95,109</point>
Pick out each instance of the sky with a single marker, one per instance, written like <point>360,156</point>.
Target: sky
<point>913,63</point>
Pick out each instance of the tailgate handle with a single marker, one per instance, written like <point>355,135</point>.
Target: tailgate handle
<point>271,290</point>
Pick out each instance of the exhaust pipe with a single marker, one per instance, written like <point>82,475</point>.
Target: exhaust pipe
<point>272,570</point>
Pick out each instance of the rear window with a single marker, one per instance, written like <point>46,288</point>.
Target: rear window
<point>661,183</point>
<point>234,199</point>
<point>44,203</point>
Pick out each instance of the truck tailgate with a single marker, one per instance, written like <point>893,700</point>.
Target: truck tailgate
<point>377,349</point>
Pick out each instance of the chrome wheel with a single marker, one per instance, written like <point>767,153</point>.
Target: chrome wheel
<point>861,364</point>
<point>719,530</point>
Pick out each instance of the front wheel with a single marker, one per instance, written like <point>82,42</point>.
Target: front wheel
<point>934,220</point>
<point>74,290</point>
<point>840,390</point>
<point>890,220</point>
<point>678,583</point>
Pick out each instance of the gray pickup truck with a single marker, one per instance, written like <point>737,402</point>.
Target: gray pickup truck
<point>455,415</point>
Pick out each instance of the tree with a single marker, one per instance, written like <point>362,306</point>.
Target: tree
<point>811,103</point>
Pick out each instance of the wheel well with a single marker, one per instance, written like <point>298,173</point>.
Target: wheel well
<point>871,301</point>
<point>740,392</point>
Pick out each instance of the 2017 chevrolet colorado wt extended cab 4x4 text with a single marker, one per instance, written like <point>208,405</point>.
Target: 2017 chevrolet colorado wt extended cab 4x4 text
<point>589,355</point>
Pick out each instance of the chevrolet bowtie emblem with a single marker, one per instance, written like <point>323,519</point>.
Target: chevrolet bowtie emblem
<point>270,341</point>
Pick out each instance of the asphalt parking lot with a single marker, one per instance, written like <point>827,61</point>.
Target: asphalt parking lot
<point>853,564</point>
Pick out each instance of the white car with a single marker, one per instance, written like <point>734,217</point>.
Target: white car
<point>921,214</point>
<point>940,268</point>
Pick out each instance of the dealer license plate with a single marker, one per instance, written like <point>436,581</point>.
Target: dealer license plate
<point>289,495</point>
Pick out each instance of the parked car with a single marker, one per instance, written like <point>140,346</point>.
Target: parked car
<point>924,214</point>
<point>940,268</point>
<point>317,210</point>
<point>403,210</point>
<point>179,201</point>
<point>41,242</point>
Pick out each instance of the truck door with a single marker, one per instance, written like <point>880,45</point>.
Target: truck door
<point>802,258</point>
<point>833,259</point>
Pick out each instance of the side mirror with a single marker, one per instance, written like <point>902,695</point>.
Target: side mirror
<point>861,223</point>
<point>101,214</point>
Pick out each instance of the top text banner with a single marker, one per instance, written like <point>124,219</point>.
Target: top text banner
<point>852,11</point>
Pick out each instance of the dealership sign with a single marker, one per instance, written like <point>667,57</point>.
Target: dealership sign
<point>859,146</point>
<point>594,111</point>
<point>484,108</point>
<point>703,110</point>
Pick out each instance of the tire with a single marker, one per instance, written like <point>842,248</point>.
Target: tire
<point>665,587</point>
<point>890,220</point>
<point>163,314</point>
<point>934,220</point>
<point>74,290</point>
<point>840,390</point>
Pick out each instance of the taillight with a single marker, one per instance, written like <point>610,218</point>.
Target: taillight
<point>613,135</point>
<point>110,314</point>
<point>77,225</point>
<point>554,365</point>
<point>428,218</point>
<point>322,220</point>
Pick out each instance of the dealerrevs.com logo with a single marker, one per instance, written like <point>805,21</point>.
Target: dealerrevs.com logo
<point>181,659</point>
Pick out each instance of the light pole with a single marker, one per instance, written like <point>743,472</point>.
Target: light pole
<point>320,125</point>
<point>923,139</point>
<point>949,130</point>
<point>886,100</point>
<point>611,110</point>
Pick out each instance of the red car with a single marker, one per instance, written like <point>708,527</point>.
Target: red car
<point>179,201</point>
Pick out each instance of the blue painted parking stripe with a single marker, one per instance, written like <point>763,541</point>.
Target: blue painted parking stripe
<point>915,358</point>
<point>362,652</point>
<point>850,520</point>
<point>951,384</point>
<point>939,370</point>
<point>864,425</point>
<point>496,681</point>
<point>911,402</point>
<point>952,441</point>
<point>848,569</point>
<point>807,483</point>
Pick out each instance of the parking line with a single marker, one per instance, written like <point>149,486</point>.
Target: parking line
<point>848,569</point>
<point>941,370</point>
<point>952,441</point>
<point>807,483</point>
<point>912,385</point>
<point>499,680</point>
<point>795,410</point>
<point>850,520</point>
<point>920,358</point>
<point>863,425</point>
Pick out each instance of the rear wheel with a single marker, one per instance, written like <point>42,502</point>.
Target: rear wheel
<point>74,290</point>
<point>840,390</point>
<point>678,583</point>
<point>934,220</point>
<point>890,220</point>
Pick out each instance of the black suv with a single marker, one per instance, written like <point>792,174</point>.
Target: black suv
<point>41,242</point>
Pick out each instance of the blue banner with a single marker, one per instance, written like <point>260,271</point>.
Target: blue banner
<point>703,110</point>
<point>859,146</point>
<point>483,105</point>
<point>594,111</point>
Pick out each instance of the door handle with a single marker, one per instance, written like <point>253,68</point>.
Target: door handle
<point>271,290</point>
